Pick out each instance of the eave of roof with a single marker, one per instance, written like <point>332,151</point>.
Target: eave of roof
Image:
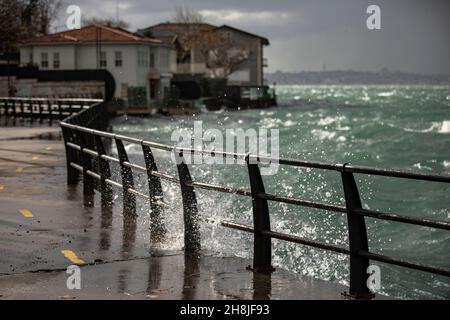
<point>171,25</point>
<point>177,24</point>
<point>265,41</point>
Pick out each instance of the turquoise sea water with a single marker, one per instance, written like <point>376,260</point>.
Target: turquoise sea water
<point>406,127</point>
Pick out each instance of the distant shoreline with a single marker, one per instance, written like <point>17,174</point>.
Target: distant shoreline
<point>354,78</point>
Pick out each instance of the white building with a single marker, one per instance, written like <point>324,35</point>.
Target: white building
<point>249,72</point>
<point>141,66</point>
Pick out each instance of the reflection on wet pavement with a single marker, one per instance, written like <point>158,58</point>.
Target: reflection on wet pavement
<point>122,261</point>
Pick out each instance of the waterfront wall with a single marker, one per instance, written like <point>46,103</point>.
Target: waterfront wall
<point>61,89</point>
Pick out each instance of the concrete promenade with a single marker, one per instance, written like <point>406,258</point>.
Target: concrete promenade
<point>45,227</point>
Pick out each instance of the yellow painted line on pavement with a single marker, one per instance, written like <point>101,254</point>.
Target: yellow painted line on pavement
<point>19,169</point>
<point>26,213</point>
<point>72,257</point>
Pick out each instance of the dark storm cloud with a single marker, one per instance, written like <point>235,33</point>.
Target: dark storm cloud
<point>305,35</point>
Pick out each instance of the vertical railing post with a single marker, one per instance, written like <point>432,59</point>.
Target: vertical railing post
<point>262,245</point>
<point>50,111</point>
<point>129,199</point>
<point>86,161</point>
<point>60,112</point>
<point>7,107</point>
<point>357,235</point>
<point>190,211</point>
<point>32,113</point>
<point>41,116</point>
<point>71,156</point>
<point>14,108</point>
<point>105,173</point>
<point>157,229</point>
<point>22,111</point>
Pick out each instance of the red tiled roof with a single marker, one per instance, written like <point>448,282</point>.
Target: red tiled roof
<point>89,34</point>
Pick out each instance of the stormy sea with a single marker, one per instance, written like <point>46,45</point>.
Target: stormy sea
<point>403,127</point>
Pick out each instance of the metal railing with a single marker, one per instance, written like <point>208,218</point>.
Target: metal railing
<point>43,108</point>
<point>86,155</point>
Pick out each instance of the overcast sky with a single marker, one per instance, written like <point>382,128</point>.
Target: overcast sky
<point>311,34</point>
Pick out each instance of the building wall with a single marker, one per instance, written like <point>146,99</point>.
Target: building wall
<point>25,57</point>
<point>62,89</point>
<point>252,66</point>
<point>125,75</point>
<point>66,56</point>
<point>134,71</point>
<point>250,71</point>
<point>165,64</point>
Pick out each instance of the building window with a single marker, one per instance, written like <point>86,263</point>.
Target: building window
<point>56,61</point>
<point>142,59</point>
<point>103,63</point>
<point>139,59</point>
<point>227,36</point>
<point>145,56</point>
<point>164,59</point>
<point>152,60</point>
<point>44,60</point>
<point>118,58</point>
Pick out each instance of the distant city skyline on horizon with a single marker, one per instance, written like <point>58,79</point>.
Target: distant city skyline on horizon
<point>386,70</point>
<point>313,36</point>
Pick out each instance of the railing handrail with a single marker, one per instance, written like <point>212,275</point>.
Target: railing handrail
<point>397,173</point>
<point>85,153</point>
<point>43,108</point>
<point>51,99</point>
<point>439,224</point>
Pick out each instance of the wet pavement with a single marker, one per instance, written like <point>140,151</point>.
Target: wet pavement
<point>46,225</point>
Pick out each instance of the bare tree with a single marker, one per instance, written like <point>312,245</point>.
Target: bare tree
<point>191,24</point>
<point>20,19</point>
<point>221,53</point>
<point>109,22</point>
<point>187,15</point>
<point>46,12</point>
<point>10,24</point>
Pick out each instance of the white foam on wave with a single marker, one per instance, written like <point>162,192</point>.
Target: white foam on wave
<point>344,128</point>
<point>386,94</point>
<point>322,134</point>
<point>440,127</point>
<point>445,127</point>
<point>329,120</point>
<point>433,127</point>
<point>289,123</point>
<point>419,166</point>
